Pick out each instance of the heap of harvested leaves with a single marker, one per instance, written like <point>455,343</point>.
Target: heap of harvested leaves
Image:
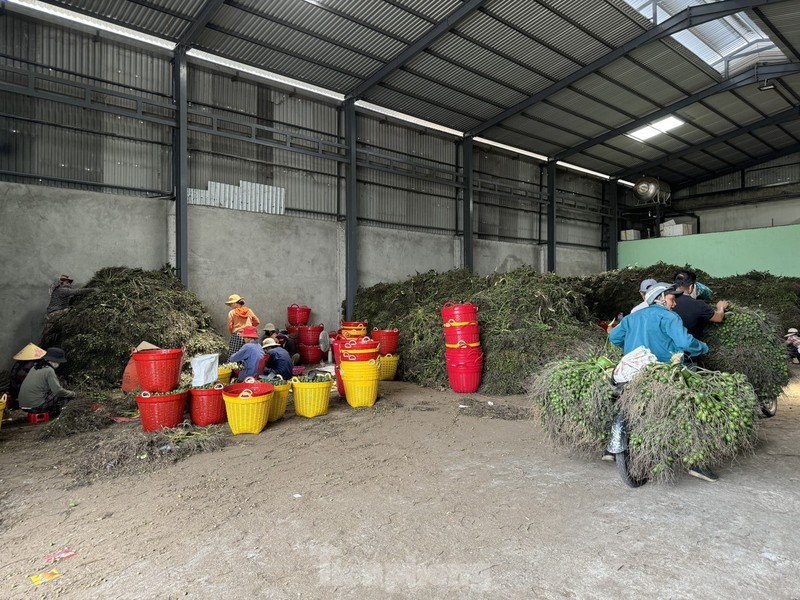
<point>617,291</point>
<point>678,418</point>
<point>131,451</point>
<point>527,319</point>
<point>745,342</point>
<point>131,306</point>
<point>575,402</point>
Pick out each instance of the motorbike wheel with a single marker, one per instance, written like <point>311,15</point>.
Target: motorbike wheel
<point>769,408</point>
<point>621,459</point>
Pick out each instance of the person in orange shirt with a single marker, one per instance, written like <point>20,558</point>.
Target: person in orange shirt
<point>239,317</point>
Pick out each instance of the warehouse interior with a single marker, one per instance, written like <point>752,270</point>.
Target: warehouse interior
<point>302,151</point>
<point>352,134</point>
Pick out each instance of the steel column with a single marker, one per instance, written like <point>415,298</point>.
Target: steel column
<point>351,208</point>
<point>180,175</point>
<point>613,224</point>
<point>551,216</point>
<point>467,161</point>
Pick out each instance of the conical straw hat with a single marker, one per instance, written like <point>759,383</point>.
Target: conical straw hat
<point>30,352</point>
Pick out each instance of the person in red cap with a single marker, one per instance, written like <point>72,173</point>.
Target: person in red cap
<point>250,354</point>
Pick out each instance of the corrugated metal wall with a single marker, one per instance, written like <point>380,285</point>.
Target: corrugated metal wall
<point>777,172</point>
<point>408,177</point>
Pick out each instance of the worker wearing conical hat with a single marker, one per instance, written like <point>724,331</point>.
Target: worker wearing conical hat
<point>25,359</point>
<point>239,317</point>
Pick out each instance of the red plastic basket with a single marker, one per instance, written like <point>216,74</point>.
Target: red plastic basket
<point>158,412</point>
<point>310,335</point>
<point>298,315</point>
<point>159,370</point>
<point>464,379</point>
<point>459,312</point>
<point>339,382</point>
<point>309,355</point>
<point>468,333</point>
<point>207,407</point>
<point>387,339</point>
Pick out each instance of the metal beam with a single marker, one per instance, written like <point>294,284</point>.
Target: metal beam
<point>787,115</point>
<point>466,9</point>
<point>180,176</point>
<point>198,24</point>
<point>742,166</point>
<point>551,216</point>
<point>613,224</point>
<point>748,77</point>
<point>689,17</point>
<point>351,208</point>
<point>468,162</point>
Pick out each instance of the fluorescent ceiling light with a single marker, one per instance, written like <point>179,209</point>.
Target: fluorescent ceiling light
<point>629,184</point>
<point>582,170</point>
<point>264,74</point>
<point>408,118</point>
<point>94,23</point>
<point>488,142</point>
<point>652,130</point>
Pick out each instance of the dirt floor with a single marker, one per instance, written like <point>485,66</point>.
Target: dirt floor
<point>426,495</point>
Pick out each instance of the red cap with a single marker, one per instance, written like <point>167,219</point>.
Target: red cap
<point>249,332</point>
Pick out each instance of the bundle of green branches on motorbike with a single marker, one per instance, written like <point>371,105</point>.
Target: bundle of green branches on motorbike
<point>527,319</point>
<point>130,306</point>
<point>574,400</point>
<point>747,342</point>
<point>678,418</point>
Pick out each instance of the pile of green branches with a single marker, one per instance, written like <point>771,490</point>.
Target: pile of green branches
<point>678,418</point>
<point>131,306</point>
<point>574,400</point>
<point>777,296</point>
<point>527,320</point>
<point>745,342</point>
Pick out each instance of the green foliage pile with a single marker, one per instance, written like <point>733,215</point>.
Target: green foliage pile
<point>745,342</point>
<point>777,296</point>
<point>131,306</point>
<point>617,291</point>
<point>678,418</point>
<point>613,292</point>
<point>527,320</point>
<point>575,402</point>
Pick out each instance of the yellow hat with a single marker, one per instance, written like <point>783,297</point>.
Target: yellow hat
<point>233,299</point>
<point>30,352</point>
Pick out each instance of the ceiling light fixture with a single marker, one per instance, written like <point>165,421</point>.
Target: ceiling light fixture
<point>766,86</point>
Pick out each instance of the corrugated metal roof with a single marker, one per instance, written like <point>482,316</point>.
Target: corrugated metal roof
<point>493,59</point>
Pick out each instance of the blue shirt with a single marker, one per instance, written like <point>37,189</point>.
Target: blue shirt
<point>281,362</point>
<point>250,354</point>
<point>658,329</point>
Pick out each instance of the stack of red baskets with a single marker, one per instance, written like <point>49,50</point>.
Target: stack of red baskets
<point>160,372</point>
<point>308,343</point>
<point>296,317</point>
<point>463,351</point>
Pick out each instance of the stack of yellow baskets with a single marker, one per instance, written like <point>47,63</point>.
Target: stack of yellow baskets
<point>360,379</point>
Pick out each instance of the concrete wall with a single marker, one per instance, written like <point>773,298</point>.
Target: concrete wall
<point>272,261</point>
<point>49,231</point>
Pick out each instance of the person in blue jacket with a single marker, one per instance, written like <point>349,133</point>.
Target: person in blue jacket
<point>657,327</point>
<point>250,354</point>
<point>662,331</point>
<point>279,362</point>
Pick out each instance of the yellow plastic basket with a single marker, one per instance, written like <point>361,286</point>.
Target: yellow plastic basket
<point>280,397</point>
<point>3,399</point>
<point>311,399</point>
<point>360,369</point>
<point>247,413</point>
<point>361,392</point>
<point>389,364</point>
<point>224,375</point>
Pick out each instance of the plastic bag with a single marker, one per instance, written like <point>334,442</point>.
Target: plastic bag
<point>204,369</point>
<point>703,291</point>
<point>631,363</point>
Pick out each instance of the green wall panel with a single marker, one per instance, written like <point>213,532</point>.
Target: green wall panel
<point>773,249</point>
